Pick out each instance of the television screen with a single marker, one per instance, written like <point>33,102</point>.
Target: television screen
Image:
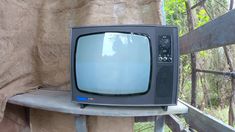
<point>113,63</point>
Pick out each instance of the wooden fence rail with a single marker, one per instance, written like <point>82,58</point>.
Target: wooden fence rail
<point>174,123</point>
<point>217,33</point>
<point>229,74</point>
<point>203,122</point>
<point>195,119</point>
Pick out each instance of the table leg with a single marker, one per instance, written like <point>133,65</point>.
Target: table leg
<point>81,123</point>
<point>159,123</point>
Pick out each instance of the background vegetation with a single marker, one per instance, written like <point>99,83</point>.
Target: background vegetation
<point>213,91</point>
<point>216,87</point>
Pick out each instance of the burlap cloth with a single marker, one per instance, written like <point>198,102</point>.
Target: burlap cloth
<point>34,37</point>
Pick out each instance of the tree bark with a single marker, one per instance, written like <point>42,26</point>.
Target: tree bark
<point>206,97</point>
<point>231,112</point>
<point>182,79</point>
<point>232,104</point>
<point>194,80</point>
<point>190,19</point>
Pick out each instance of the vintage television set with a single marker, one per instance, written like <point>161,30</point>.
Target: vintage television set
<point>125,65</point>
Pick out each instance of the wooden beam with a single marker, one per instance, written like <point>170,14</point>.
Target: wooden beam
<point>175,124</point>
<point>219,32</point>
<point>231,74</point>
<point>203,122</point>
<point>191,25</point>
<point>200,3</point>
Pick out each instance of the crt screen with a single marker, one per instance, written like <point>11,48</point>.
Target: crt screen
<point>113,63</point>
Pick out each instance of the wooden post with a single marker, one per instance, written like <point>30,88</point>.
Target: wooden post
<point>232,98</point>
<point>232,104</point>
<point>193,55</point>
<point>193,79</point>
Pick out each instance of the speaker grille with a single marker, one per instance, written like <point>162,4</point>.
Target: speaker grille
<point>164,82</point>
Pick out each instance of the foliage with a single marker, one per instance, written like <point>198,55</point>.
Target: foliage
<point>219,113</point>
<point>202,17</point>
<point>144,127</point>
<point>218,87</point>
<point>175,14</point>
<point>210,59</point>
<point>216,8</point>
<point>147,127</point>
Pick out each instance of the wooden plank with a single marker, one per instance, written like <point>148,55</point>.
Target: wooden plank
<point>200,3</point>
<point>81,123</point>
<point>145,119</point>
<point>219,32</point>
<point>203,122</point>
<point>60,101</point>
<point>175,124</point>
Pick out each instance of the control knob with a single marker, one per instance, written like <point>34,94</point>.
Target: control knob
<point>164,58</point>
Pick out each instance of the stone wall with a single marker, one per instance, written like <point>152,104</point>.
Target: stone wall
<point>34,38</point>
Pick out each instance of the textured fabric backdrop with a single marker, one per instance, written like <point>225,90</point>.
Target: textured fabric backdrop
<point>34,37</point>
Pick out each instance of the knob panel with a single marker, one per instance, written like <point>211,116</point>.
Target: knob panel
<point>164,49</point>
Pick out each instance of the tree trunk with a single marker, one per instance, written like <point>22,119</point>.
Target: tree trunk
<point>204,83</point>
<point>182,79</point>
<point>190,19</point>
<point>231,112</point>
<point>194,80</point>
<point>232,97</point>
<point>206,98</point>
<point>232,104</point>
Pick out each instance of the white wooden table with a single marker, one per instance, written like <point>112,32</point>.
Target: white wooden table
<point>60,101</point>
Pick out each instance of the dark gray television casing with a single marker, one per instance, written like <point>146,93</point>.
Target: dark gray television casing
<point>163,84</point>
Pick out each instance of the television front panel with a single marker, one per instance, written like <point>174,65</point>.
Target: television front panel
<point>128,65</point>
